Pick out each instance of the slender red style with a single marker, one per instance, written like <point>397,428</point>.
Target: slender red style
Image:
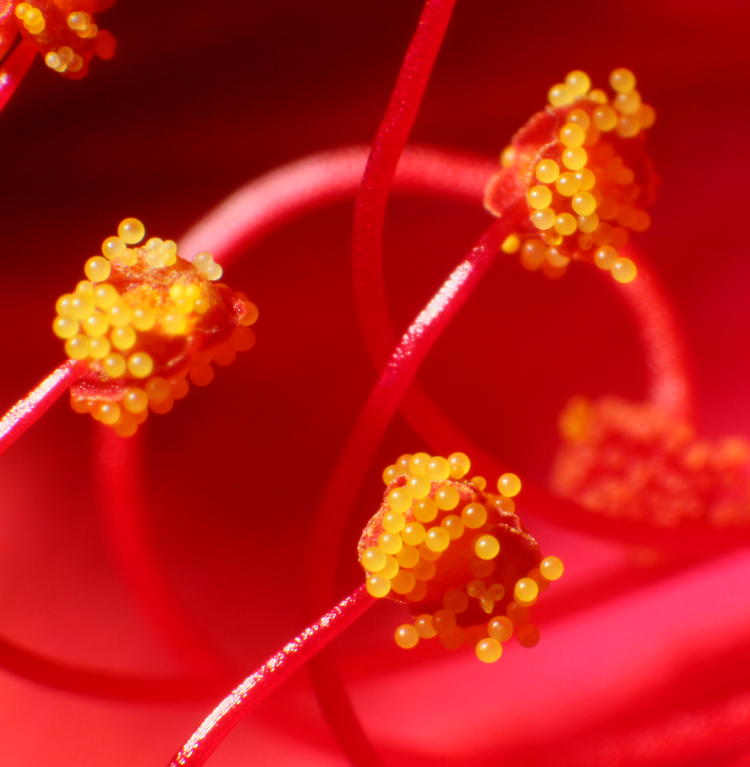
<point>265,679</point>
<point>13,70</point>
<point>27,411</point>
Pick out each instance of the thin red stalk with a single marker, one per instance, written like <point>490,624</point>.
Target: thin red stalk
<point>27,411</point>
<point>15,66</point>
<point>79,680</point>
<point>122,504</point>
<point>265,679</point>
<point>356,456</point>
<point>266,203</point>
<point>387,147</point>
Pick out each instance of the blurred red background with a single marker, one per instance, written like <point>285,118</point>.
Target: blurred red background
<point>196,102</point>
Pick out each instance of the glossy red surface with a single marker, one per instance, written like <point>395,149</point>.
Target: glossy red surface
<point>636,658</point>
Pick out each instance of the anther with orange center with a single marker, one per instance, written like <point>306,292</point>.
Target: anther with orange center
<point>65,33</point>
<point>456,554</point>
<point>583,166</point>
<point>637,462</point>
<point>146,321</point>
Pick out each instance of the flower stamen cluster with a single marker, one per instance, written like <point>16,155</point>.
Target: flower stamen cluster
<point>68,39</point>
<point>585,174</point>
<point>456,554</point>
<point>146,320</point>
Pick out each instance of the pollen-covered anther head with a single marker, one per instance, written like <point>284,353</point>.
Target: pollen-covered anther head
<point>147,321</point>
<point>636,461</point>
<point>456,554</point>
<point>66,33</point>
<point>583,168</point>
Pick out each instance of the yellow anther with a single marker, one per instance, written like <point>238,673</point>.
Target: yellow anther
<point>453,525</point>
<point>539,197</point>
<point>511,244</point>
<point>424,627</point>
<point>425,510</point>
<point>583,203</point>
<point>394,522</point>
<point>418,487</point>
<point>560,95</point>
<point>413,534</point>
<point>377,586</point>
<point>543,219</point>
<point>605,257</point>
<point>568,184</point>
<point>578,82</point>
<point>77,347</point>
<point>526,591</point>
<point>487,547</point>
<point>572,135</point>
<point>399,499</point>
<point>509,485</point>
<point>113,247</point>
<point>547,171</point>
<point>551,568</point>
<point>65,327</point>
<point>565,224</point>
<point>488,650</point>
<point>114,365</point>
<point>140,365</point>
<point>474,515</point>
<point>574,157</point>
<point>500,628</point>
<point>438,469</point>
<point>131,231</point>
<point>406,636</point>
<point>437,539</point>
<point>624,270</point>
<point>390,543</point>
<point>622,80</point>
<point>447,498</point>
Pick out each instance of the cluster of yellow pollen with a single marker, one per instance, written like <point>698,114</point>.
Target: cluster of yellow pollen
<point>584,179</point>
<point>146,321</point>
<point>636,461</point>
<point>456,554</point>
<point>31,17</point>
<point>67,38</point>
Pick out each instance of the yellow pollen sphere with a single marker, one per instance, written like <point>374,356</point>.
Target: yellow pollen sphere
<point>539,197</point>
<point>408,557</point>
<point>526,591</point>
<point>547,171</point>
<point>453,525</point>
<point>424,627</point>
<point>588,224</point>
<point>119,314</point>
<point>551,568</point>
<point>418,464</point>
<point>605,257</point>
<point>543,219</point>
<point>622,80</point>
<point>394,522</point>
<point>114,365</point>
<point>391,568</point>
<point>399,499</point>
<point>65,327</point>
<point>413,534</point>
<point>574,157</point>
<point>135,401</point>
<point>377,586</point>
<point>474,515</point>
<point>97,269</point>
<point>157,389</point>
<point>500,628</point>
<point>628,103</point>
<point>425,510</point>
<point>107,412</point>
<point>628,126</point>
<point>131,231</point>
<point>77,347</point>
<point>140,365</point>
<point>437,539</point>
<point>578,82</point>
<point>372,559</point>
<point>511,244</point>
<point>605,118</point>
<point>584,204</point>
<point>509,485</point>
<point>572,135</point>
<point>95,325</point>
<point>390,474</point>
<point>122,338</point>
<point>565,224</point>
<point>624,270</point>
<point>460,465</point>
<point>438,469</point>
<point>586,178</point>
<point>560,95</point>
<point>143,319</point>
<point>403,582</point>
<point>487,547</point>
<point>105,296</point>
<point>567,184</point>
<point>390,543</point>
<point>580,117</point>
<point>488,650</point>
<point>447,498</point>
<point>419,487</point>
<point>406,636</point>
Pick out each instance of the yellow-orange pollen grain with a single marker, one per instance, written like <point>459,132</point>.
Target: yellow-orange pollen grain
<point>422,517</point>
<point>581,195</point>
<point>113,331</point>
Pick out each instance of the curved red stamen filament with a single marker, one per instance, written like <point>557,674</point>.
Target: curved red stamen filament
<point>27,411</point>
<point>387,147</point>
<point>122,505</point>
<point>13,70</point>
<point>38,668</point>
<point>269,676</point>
